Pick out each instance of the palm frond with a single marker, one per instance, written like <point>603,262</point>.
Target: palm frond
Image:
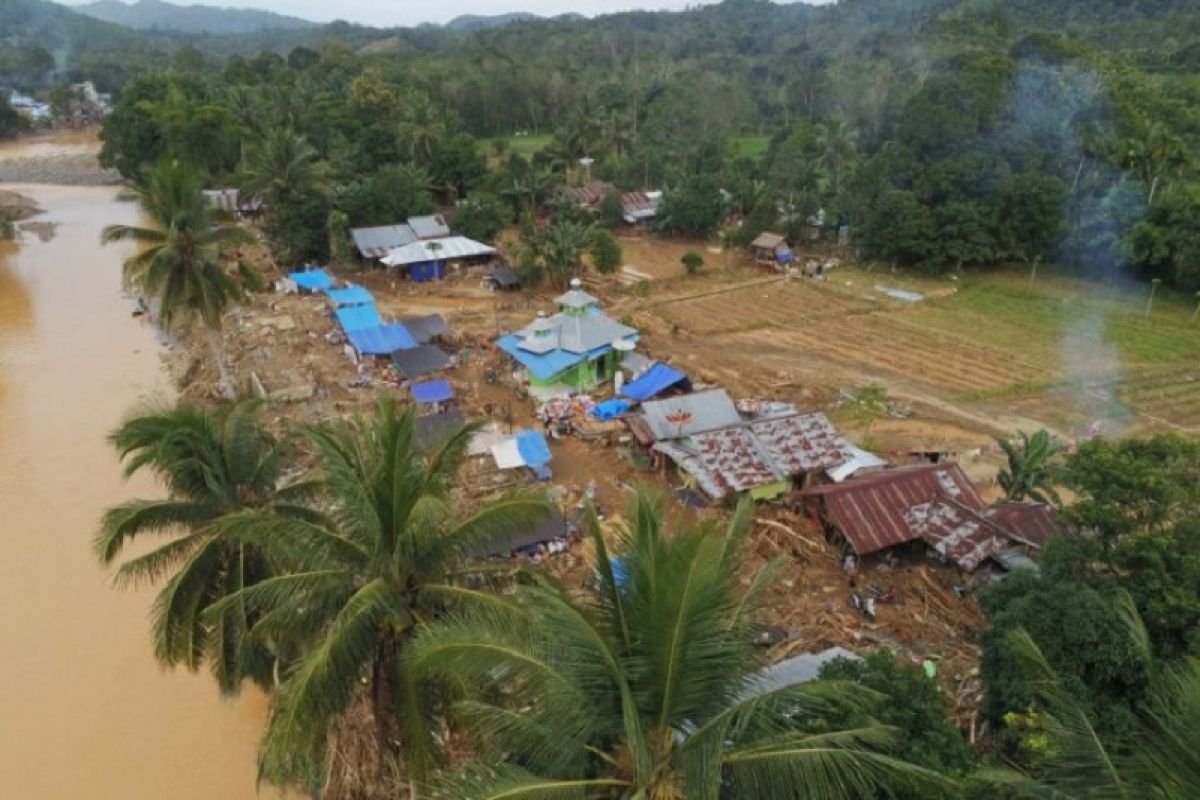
<point>507,782</point>
<point>129,520</point>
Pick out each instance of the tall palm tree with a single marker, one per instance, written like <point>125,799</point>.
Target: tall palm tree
<point>181,261</point>
<point>281,166</point>
<point>422,127</point>
<point>212,463</point>
<point>645,687</point>
<point>392,556</point>
<point>1029,474</point>
<point>1159,759</point>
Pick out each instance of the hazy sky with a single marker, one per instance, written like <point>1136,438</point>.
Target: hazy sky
<point>414,12</point>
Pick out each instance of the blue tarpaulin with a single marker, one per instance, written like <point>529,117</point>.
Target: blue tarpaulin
<point>432,392</point>
<point>620,576</point>
<point>609,409</point>
<point>314,280</point>
<point>653,382</point>
<point>382,340</point>
<point>427,271</point>
<point>785,257</point>
<point>351,296</point>
<point>358,318</point>
<point>533,448</point>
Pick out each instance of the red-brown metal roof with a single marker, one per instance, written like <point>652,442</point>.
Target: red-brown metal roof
<point>869,510</point>
<point>956,531</point>
<point>1028,523</point>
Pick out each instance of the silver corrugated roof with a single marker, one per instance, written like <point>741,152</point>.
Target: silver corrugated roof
<point>445,249</point>
<point>430,227</point>
<point>690,414</point>
<point>376,242</point>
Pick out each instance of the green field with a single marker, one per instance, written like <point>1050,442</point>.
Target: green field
<point>526,146</point>
<point>751,146</point>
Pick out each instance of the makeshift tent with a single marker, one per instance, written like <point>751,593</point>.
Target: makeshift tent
<point>534,450</point>
<point>424,359</point>
<point>381,340</point>
<point>426,329</point>
<point>433,430</point>
<point>312,280</point>
<point>526,449</point>
<point>654,382</point>
<point>357,318</point>
<point>432,391</point>
<point>350,296</point>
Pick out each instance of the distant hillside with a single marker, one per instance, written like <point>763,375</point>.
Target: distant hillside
<point>477,22</point>
<point>158,15</point>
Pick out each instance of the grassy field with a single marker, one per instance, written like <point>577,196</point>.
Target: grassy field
<point>1065,351</point>
<point>527,146</point>
<point>751,146</point>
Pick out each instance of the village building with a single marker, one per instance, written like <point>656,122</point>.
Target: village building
<point>771,248</point>
<point>640,206</point>
<point>430,259</point>
<point>936,504</point>
<point>578,348</point>
<point>375,243</point>
<point>726,453</point>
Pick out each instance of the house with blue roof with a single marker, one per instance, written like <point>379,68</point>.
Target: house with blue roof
<point>578,348</point>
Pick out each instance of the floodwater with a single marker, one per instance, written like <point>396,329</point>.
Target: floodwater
<point>84,709</point>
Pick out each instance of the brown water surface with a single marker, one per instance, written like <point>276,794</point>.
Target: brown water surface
<point>84,709</point>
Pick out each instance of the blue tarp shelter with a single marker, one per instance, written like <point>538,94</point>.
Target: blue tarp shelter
<point>609,409</point>
<point>351,296</point>
<point>382,340</point>
<point>653,382</point>
<point>785,257</point>
<point>359,318</point>
<point>432,391</point>
<point>313,280</point>
<point>533,448</point>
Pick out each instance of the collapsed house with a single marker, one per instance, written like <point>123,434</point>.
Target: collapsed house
<point>640,206</point>
<point>931,503</point>
<point>726,453</point>
<point>577,348</point>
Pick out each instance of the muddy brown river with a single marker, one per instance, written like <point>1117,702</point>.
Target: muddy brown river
<point>84,709</point>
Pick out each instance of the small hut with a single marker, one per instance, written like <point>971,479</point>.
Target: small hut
<point>771,248</point>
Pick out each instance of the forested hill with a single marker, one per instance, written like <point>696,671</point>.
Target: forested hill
<point>157,15</point>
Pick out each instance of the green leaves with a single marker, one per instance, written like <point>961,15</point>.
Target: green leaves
<point>1031,467</point>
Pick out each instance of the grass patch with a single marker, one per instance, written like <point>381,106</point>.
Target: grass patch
<point>751,146</point>
<point>527,146</point>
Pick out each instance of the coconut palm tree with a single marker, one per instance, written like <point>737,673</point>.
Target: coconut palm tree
<point>182,256</point>
<point>1159,759</point>
<point>392,556</point>
<point>837,143</point>
<point>644,687</point>
<point>212,463</point>
<point>281,166</point>
<point>1029,474</point>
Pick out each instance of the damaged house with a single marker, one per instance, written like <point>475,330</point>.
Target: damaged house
<point>726,453</point>
<point>931,503</point>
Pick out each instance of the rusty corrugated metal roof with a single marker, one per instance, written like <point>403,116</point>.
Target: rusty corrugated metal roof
<point>869,510</point>
<point>956,531</point>
<point>1028,523</point>
<point>802,443</point>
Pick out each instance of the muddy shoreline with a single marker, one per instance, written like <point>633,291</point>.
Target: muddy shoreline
<point>56,158</point>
